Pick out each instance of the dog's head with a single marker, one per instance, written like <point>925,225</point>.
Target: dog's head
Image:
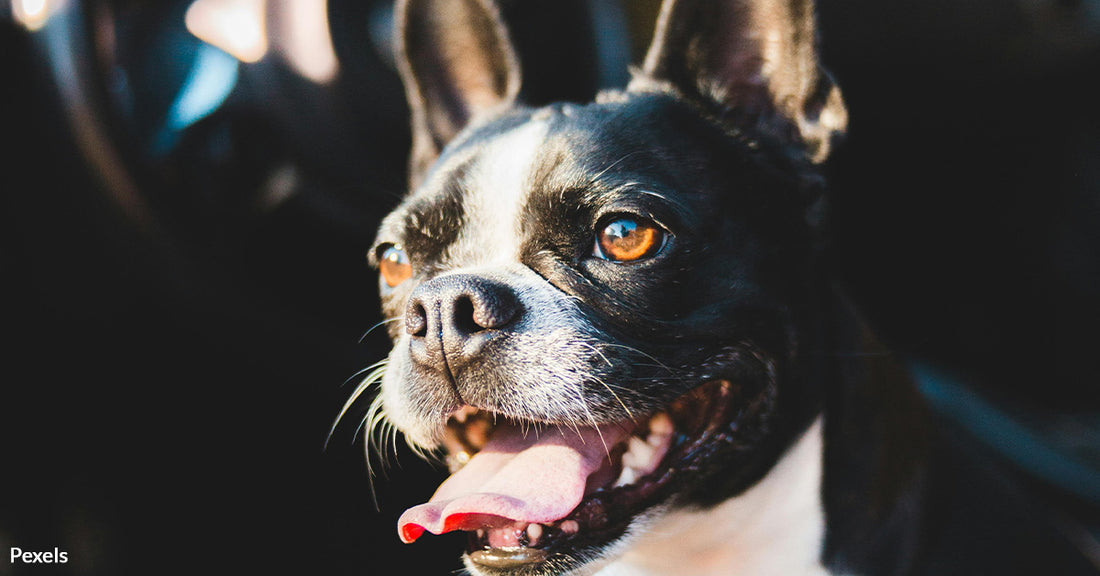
<point>602,312</point>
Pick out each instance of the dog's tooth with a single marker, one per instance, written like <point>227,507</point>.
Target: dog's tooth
<point>627,476</point>
<point>660,432</point>
<point>534,532</point>
<point>570,527</point>
<point>638,454</point>
<point>477,434</point>
<point>462,414</point>
<point>657,441</point>
<point>661,425</point>
<point>456,460</point>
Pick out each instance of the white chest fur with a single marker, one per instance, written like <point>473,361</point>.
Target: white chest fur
<point>774,528</point>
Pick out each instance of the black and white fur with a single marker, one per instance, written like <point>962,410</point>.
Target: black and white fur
<point>721,138</point>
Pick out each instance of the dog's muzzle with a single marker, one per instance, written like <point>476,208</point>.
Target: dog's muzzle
<point>450,320</point>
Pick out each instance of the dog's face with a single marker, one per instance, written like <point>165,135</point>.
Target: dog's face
<point>599,311</point>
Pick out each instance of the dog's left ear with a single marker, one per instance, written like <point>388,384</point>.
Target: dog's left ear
<point>757,59</point>
<point>456,62</point>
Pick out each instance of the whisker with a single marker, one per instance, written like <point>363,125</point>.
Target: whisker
<point>608,387</point>
<point>597,351</point>
<point>572,425</point>
<point>637,351</point>
<point>377,371</point>
<point>374,419</point>
<point>378,364</point>
<point>605,384</point>
<point>374,424</point>
<point>592,421</point>
<point>421,452</point>
<point>612,165</point>
<point>372,328</point>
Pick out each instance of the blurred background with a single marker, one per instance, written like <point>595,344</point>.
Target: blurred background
<point>188,189</point>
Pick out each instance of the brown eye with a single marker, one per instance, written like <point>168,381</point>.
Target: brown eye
<point>627,239</point>
<point>394,266</point>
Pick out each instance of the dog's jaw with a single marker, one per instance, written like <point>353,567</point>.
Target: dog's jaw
<point>775,527</point>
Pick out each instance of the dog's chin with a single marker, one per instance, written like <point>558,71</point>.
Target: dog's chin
<point>644,463</point>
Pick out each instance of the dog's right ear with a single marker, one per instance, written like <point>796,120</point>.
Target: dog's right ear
<point>457,62</point>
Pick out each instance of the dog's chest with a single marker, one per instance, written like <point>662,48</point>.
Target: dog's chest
<point>774,528</point>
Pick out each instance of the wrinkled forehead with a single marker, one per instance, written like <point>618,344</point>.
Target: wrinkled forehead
<point>495,184</point>
<point>478,205</point>
<point>473,208</point>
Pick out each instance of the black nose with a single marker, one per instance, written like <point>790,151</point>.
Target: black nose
<point>452,317</point>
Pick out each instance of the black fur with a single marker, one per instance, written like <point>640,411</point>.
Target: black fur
<point>721,140</point>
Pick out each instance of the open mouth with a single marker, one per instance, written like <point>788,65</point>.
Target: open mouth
<point>531,493</point>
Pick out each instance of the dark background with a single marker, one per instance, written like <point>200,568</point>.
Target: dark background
<point>179,334</point>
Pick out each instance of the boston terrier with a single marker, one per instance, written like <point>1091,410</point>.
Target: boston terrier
<point>615,322</point>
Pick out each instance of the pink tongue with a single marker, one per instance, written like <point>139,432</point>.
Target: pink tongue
<point>515,478</point>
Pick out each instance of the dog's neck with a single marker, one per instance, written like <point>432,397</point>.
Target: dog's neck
<point>776,527</point>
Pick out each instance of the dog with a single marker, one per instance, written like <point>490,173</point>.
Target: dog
<point>616,321</point>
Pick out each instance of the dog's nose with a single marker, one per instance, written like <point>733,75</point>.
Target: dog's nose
<point>451,318</point>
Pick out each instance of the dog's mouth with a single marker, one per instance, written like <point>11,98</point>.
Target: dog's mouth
<point>531,493</point>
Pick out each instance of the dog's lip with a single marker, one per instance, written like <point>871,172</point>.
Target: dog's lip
<point>607,509</point>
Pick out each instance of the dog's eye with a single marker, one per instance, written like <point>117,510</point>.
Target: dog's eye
<point>394,265</point>
<point>626,239</point>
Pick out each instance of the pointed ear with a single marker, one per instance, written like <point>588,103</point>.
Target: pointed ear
<point>757,59</point>
<point>456,62</point>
